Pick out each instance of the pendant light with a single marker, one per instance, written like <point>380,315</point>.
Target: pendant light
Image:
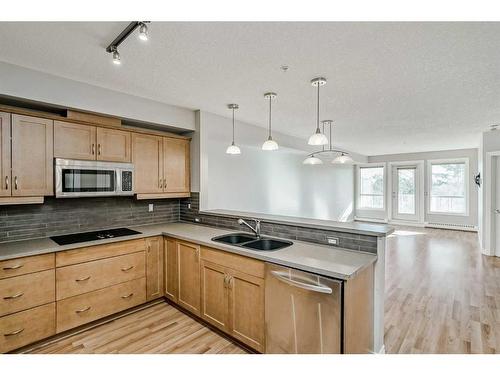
<point>343,158</point>
<point>318,138</point>
<point>270,144</point>
<point>233,149</point>
<point>312,160</point>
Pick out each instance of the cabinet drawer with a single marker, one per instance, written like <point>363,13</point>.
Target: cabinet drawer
<point>236,262</point>
<point>85,308</point>
<point>23,292</point>
<point>87,254</point>
<point>22,266</point>
<point>86,277</point>
<point>26,327</point>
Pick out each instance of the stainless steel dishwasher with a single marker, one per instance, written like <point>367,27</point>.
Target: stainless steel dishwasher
<point>303,312</point>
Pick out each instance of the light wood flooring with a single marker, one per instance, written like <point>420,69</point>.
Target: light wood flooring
<point>157,329</point>
<point>442,295</point>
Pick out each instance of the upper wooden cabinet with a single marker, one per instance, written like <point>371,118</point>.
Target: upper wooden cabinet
<point>5,176</point>
<point>176,173</point>
<point>83,142</point>
<point>32,156</point>
<point>161,166</point>
<point>147,156</point>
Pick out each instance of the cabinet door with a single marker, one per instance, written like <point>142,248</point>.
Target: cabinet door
<point>147,156</point>
<point>154,268</point>
<point>32,156</point>
<point>176,165</point>
<point>214,295</point>
<point>188,269</point>
<point>5,177</point>
<point>171,276</point>
<point>246,306</point>
<point>74,141</point>
<point>113,145</point>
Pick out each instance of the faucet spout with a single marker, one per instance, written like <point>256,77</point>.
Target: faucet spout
<point>256,230</point>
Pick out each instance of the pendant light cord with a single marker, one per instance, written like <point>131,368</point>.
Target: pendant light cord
<point>330,135</point>
<point>233,125</point>
<point>270,108</point>
<point>317,112</point>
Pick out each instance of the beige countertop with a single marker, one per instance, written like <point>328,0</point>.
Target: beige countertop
<point>321,259</point>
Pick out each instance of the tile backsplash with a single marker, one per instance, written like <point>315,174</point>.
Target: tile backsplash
<point>350,241</point>
<point>61,216</point>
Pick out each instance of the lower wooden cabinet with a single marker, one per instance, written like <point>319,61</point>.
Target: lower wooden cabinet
<point>154,268</point>
<point>170,276</point>
<point>188,274</point>
<point>27,326</point>
<point>214,295</point>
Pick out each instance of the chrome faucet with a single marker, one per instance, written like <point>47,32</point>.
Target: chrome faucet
<point>256,230</point>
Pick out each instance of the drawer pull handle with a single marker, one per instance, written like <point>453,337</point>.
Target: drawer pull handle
<point>125,269</point>
<point>14,296</point>
<point>83,310</point>
<point>13,333</point>
<point>128,296</point>
<point>17,266</point>
<point>83,279</point>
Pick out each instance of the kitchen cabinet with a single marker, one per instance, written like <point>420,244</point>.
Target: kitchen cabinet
<point>188,274</point>
<point>85,142</point>
<point>214,295</point>
<point>147,156</point>
<point>32,156</point>
<point>176,174</point>
<point>5,155</point>
<point>161,166</point>
<point>171,279</point>
<point>154,268</point>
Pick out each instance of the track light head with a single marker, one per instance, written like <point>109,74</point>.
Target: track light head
<point>116,57</point>
<point>143,32</point>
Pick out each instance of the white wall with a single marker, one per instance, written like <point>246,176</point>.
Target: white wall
<point>30,84</point>
<point>470,154</point>
<point>268,182</point>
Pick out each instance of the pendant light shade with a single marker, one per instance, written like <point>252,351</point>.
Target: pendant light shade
<point>270,144</point>
<point>343,159</point>
<point>312,160</point>
<point>233,149</point>
<point>318,138</point>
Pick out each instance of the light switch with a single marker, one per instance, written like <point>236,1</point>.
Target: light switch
<point>150,207</point>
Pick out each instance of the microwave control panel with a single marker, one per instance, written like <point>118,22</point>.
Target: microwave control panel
<point>126,181</point>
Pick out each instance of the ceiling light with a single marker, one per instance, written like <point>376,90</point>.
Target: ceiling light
<point>233,149</point>
<point>143,32</point>
<point>312,160</point>
<point>318,138</point>
<point>116,57</point>
<point>343,158</point>
<point>270,144</point>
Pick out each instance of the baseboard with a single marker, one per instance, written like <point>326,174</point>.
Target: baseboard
<point>460,227</point>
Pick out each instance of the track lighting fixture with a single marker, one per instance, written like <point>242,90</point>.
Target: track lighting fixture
<point>113,46</point>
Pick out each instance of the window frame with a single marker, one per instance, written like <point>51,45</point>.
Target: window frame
<point>358,186</point>
<point>428,192</point>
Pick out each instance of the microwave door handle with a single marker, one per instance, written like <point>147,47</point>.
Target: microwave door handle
<point>282,276</point>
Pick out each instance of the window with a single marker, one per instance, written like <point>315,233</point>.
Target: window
<point>448,190</point>
<point>371,188</point>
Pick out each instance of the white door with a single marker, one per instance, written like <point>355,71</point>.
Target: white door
<point>405,193</point>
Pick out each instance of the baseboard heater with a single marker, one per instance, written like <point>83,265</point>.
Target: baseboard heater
<point>462,227</point>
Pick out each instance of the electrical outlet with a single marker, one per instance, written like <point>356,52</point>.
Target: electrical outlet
<point>189,206</point>
<point>150,207</point>
<point>197,220</point>
<point>332,240</point>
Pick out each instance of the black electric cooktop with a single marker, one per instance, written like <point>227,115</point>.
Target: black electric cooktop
<point>93,236</point>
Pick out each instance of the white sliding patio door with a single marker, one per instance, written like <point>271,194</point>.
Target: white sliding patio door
<point>406,192</point>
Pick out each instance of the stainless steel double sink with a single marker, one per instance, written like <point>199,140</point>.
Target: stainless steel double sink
<point>252,242</point>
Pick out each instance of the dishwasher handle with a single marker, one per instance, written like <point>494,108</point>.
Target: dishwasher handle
<point>283,276</point>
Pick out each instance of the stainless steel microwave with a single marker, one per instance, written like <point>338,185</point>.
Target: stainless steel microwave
<point>82,178</point>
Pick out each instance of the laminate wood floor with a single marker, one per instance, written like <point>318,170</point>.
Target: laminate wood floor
<point>157,329</point>
<point>442,294</point>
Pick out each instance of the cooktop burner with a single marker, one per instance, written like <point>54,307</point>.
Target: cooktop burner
<point>93,236</point>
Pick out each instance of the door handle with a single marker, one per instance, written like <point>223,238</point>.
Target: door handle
<point>99,149</point>
<point>15,182</point>
<point>6,182</point>
<point>93,149</point>
<point>315,288</point>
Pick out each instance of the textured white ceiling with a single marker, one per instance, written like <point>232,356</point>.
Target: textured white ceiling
<point>392,87</point>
